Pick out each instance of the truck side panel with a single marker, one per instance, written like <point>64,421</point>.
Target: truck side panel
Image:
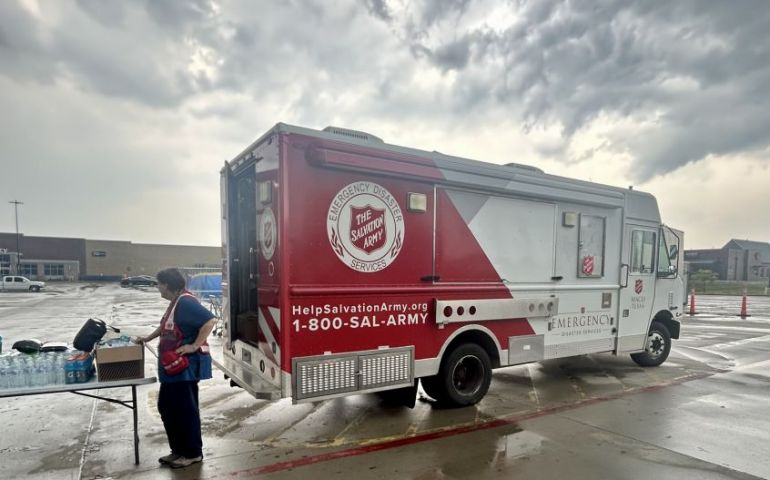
<point>337,302</point>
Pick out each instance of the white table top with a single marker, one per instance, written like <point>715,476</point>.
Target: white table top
<point>75,387</point>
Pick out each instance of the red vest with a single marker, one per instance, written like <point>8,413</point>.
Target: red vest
<point>171,336</point>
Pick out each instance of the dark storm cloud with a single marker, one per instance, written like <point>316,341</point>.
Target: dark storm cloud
<point>378,8</point>
<point>453,55</point>
<point>432,11</point>
<point>110,14</point>
<point>695,73</point>
<point>21,46</point>
<point>105,47</point>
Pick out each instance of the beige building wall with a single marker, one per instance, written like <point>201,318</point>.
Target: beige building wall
<point>110,258</point>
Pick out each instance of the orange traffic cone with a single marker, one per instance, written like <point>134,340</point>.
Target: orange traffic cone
<point>692,302</point>
<point>744,309</point>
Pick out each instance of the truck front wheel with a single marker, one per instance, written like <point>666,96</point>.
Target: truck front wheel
<point>463,378</point>
<point>657,348</point>
<point>34,288</point>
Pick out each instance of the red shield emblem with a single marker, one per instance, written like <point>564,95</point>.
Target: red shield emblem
<point>638,287</point>
<point>588,265</point>
<point>367,228</point>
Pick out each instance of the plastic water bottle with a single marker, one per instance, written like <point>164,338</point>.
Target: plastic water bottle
<point>55,368</point>
<point>49,378</point>
<point>8,372</point>
<point>4,377</point>
<point>41,375</point>
<point>59,374</point>
<point>12,373</point>
<point>27,372</point>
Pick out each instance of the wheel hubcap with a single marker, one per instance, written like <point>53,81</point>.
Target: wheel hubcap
<point>468,375</point>
<point>656,344</point>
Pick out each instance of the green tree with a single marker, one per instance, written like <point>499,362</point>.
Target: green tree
<point>703,277</point>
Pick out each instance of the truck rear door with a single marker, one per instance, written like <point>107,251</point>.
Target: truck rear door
<point>251,300</point>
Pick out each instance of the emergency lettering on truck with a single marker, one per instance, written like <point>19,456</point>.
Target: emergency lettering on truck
<point>354,266</point>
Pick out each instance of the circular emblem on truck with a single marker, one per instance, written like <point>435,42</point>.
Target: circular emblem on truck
<point>365,226</point>
<point>267,233</point>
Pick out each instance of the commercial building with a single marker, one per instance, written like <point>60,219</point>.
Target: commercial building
<point>54,258</point>
<point>741,260</point>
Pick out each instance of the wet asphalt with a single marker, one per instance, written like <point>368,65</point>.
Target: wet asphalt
<point>703,414</point>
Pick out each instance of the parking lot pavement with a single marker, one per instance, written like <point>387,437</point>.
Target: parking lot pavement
<point>700,415</point>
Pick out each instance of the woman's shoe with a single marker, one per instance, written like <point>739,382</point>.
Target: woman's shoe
<point>168,458</point>
<point>181,462</point>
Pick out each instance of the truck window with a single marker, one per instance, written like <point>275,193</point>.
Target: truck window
<point>591,246</point>
<point>18,280</point>
<point>668,253</point>
<point>664,263</point>
<point>642,251</point>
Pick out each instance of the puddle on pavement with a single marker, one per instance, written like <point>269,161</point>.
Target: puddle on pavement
<point>63,458</point>
<point>518,444</point>
<point>486,453</point>
<point>654,454</point>
<point>227,421</point>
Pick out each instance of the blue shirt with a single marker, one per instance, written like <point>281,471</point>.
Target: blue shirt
<point>190,316</point>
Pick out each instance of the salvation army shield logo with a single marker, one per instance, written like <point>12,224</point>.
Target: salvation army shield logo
<point>365,226</point>
<point>638,286</point>
<point>268,236</point>
<point>588,265</point>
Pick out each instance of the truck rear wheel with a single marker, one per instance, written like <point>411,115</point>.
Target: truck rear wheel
<point>656,349</point>
<point>463,378</point>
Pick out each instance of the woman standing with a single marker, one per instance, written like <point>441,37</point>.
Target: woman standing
<point>183,360</point>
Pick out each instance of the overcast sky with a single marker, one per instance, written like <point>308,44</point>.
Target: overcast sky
<point>117,116</point>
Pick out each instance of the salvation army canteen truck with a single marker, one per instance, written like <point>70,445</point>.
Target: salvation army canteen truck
<point>354,266</point>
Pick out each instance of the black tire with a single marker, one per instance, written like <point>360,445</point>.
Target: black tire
<point>34,288</point>
<point>432,387</point>
<point>463,378</point>
<point>656,349</point>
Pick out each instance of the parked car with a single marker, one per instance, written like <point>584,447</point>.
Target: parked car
<point>139,281</point>
<point>15,283</point>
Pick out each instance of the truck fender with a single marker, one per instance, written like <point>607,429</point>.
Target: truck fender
<point>433,365</point>
<point>667,319</point>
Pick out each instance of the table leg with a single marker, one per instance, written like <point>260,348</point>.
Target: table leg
<point>134,407</point>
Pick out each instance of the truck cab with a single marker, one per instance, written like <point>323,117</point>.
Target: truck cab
<point>15,283</point>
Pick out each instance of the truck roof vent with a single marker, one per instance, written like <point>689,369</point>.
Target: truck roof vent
<point>345,132</point>
<point>525,167</point>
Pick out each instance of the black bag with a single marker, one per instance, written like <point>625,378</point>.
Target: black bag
<point>28,346</point>
<point>90,333</point>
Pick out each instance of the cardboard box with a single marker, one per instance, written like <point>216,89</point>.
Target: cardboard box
<point>119,363</point>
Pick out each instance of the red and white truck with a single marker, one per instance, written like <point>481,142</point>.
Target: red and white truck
<point>354,266</point>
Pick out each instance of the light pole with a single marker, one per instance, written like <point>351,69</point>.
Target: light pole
<point>16,204</point>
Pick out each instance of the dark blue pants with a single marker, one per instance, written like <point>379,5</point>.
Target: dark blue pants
<point>178,407</point>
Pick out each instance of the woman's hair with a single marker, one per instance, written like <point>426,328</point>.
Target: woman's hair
<point>172,278</point>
